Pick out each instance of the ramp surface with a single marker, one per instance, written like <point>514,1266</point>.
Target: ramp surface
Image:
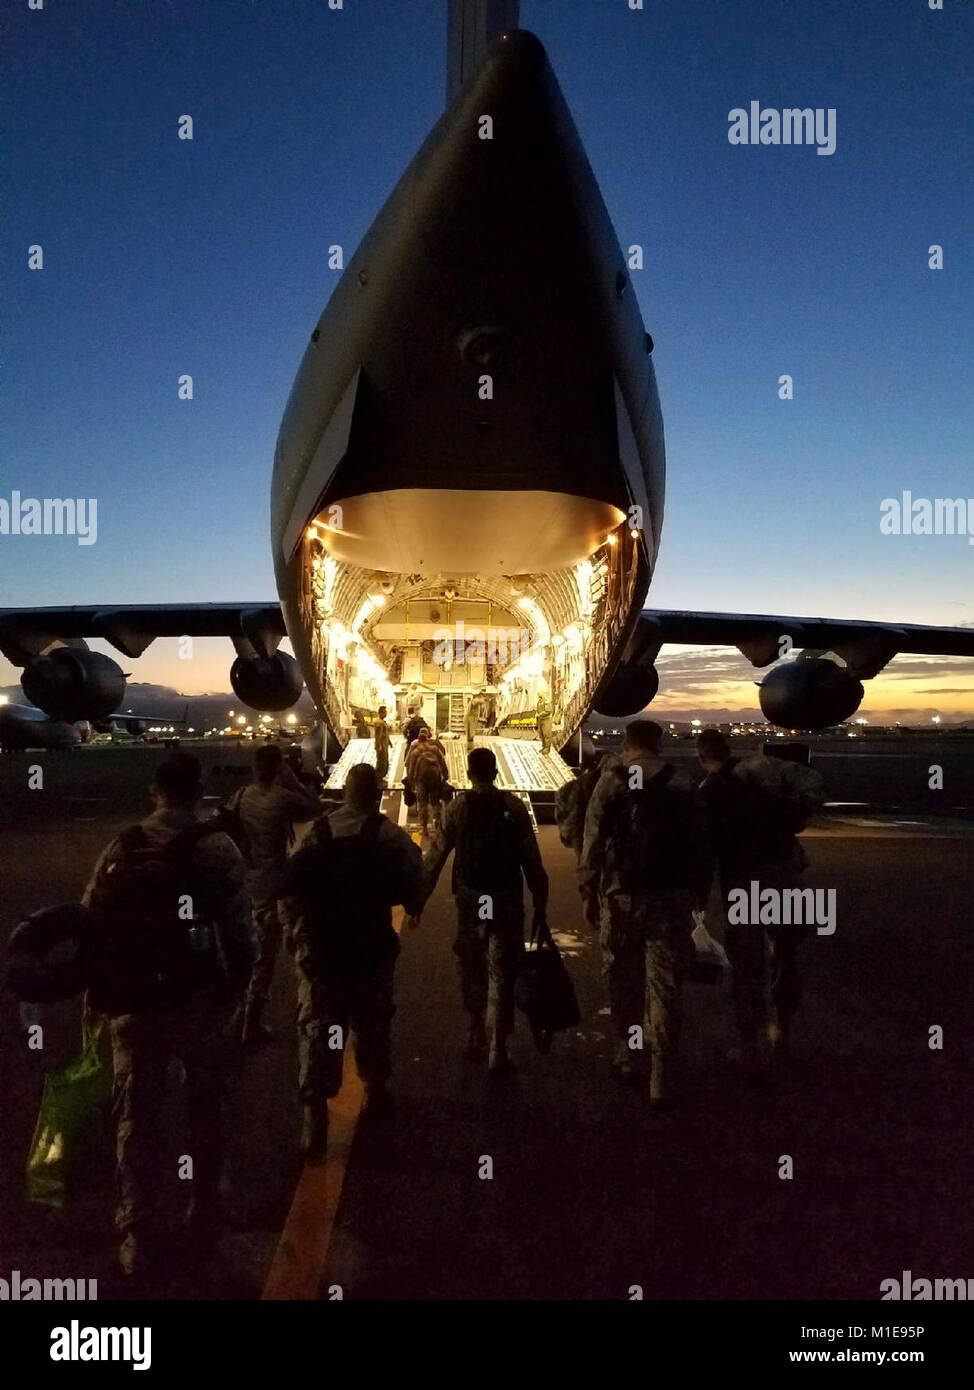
<point>521,766</point>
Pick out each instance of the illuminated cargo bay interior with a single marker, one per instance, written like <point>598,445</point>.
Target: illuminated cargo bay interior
<point>436,641</point>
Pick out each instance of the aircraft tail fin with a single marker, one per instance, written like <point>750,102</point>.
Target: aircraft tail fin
<point>472,27</point>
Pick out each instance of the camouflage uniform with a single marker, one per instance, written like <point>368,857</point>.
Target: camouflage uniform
<point>360,1005</point>
<point>143,1045</point>
<point>411,728</point>
<point>488,952</point>
<point>571,803</point>
<point>644,936</point>
<point>427,771</point>
<point>763,972</point>
<point>644,947</point>
<point>471,721</point>
<point>545,719</point>
<point>381,750</point>
<point>267,810</point>
<point>748,805</point>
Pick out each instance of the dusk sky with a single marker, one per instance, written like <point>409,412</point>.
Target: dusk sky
<point>209,257</point>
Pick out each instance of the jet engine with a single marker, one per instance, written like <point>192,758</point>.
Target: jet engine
<point>629,692</point>
<point>266,683</point>
<point>72,684</point>
<point>131,726</point>
<point>811,693</point>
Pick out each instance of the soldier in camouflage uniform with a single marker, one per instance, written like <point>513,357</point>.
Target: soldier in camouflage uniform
<point>495,845</point>
<point>267,809</point>
<point>375,866</point>
<point>642,910</point>
<point>545,717</point>
<point>472,717</point>
<point>571,803</point>
<point>382,744</point>
<point>427,773</point>
<point>143,1043</point>
<point>756,807</point>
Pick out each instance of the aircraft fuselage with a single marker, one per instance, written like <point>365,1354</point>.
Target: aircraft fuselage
<point>474,439</point>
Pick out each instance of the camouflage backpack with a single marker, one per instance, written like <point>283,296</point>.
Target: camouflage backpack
<point>571,803</point>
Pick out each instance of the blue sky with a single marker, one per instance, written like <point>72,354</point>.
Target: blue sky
<point>165,256</point>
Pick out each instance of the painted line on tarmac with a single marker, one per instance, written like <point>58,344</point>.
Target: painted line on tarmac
<point>299,1261</point>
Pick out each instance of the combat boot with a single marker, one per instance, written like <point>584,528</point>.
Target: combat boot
<point>660,1088</point>
<point>778,1034</point>
<point>476,1043</point>
<point>252,1031</point>
<point>623,1062</point>
<point>498,1061</point>
<point>314,1132</point>
<point>142,1261</point>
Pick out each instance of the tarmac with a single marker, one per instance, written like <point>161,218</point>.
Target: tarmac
<point>558,1182</point>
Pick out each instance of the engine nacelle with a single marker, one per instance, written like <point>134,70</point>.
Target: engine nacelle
<point>72,684</point>
<point>266,683</point>
<point>629,692</point>
<point>130,726</point>
<point>812,694</point>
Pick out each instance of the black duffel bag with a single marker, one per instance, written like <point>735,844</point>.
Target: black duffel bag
<point>544,992</point>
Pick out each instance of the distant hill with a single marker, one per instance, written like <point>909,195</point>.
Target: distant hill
<point>162,702</point>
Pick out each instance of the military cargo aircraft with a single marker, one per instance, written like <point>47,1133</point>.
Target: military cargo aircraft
<point>467,494</point>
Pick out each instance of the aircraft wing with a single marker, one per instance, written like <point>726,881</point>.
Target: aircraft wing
<point>26,633</point>
<point>865,647</point>
<point>135,717</point>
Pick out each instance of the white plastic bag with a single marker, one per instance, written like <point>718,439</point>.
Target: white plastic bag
<point>710,955</point>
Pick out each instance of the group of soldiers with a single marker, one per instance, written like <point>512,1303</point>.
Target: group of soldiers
<point>652,846</point>
<point>426,770</point>
<point>641,872</point>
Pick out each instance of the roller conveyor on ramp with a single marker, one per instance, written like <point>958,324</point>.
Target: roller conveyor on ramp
<point>362,750</point>
<point>521,766</point>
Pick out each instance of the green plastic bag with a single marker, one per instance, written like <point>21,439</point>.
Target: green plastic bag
<point>73,1123</point>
